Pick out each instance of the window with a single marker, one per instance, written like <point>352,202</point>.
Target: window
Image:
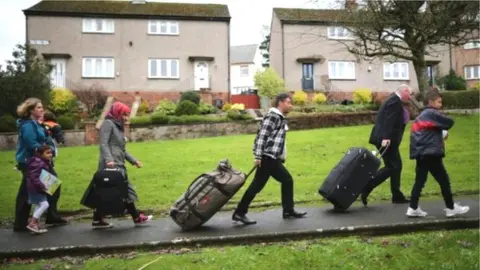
<point>39,42</point>
<point>395,71</point>
<point>472,45</point>
<point>98,26</point>
<point>472,72</point>
<point>163,28</point>
<point>98,67</point>
<point>341,70</point>
<point>339,33</point>
<point>244,70</point>
<point>163,68</point>
<point>393,35</point>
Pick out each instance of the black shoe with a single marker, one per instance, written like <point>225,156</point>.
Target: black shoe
<point>244,219</point>
<point>400,200</point>
<point>294,214</point>
<point>56,222</point>
<point>21,229</point>
<point>364,196</point>
<point>101,224</point>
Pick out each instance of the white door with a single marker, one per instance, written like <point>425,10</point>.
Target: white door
<point>201,75</point>
<point>57,75</point>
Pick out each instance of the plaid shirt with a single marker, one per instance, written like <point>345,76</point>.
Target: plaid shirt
<point>270,139</point>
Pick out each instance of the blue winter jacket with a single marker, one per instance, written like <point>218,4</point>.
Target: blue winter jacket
<point>31,135</point>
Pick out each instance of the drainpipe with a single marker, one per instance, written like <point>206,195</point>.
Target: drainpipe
<point>228,64</point>
<point>283,53</point>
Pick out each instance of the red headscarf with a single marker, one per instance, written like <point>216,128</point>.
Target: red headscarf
<point>118,110</point>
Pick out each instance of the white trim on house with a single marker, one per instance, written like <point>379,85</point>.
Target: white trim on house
<point>98,67</point>
<point>163,28</point>
<point>395,71</point>
<point>341,70</point>
<point>163,68</point>
<point>338,32</point>
<point>472,72</point>
<point>95,25</point>
<point>474,44</point>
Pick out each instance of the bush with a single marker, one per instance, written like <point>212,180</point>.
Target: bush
<point>237,115</point>
<point>362,96</point>
<point>143,108</point>
<point>320,98</point>
<point>269,83</point>
<point>226,107</point>
<point>62,101</point>
<point>461,99</point>
<point>205,108</point>
<point>453,82</point>
<point>8,123</point>
<point>166,107</point>
<point>476,86</point>
<point>194,119</point>
<point>299,98</point>
<point>159,119</point>
<point>237,107</point>
<point>141,121</point>
<point>186,107</point>
<point>66,122</point>
<point>192,96</point>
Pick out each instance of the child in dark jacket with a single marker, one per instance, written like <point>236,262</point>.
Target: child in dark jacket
<point>53,128</point>
<point>427,147</point>
<point>36,189</point>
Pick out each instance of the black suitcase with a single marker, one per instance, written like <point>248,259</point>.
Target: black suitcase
<point>347,179</point>
<point>110,191</point>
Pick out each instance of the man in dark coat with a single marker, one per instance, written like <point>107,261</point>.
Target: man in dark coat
<point>386,135</point>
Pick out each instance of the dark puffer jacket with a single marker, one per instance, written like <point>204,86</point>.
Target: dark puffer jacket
<point>426,138</point>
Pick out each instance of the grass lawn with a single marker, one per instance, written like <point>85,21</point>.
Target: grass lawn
<point>170,166</point>
<point>431,250</point>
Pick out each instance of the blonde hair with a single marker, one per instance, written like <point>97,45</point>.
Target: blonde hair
<point>23,111</point>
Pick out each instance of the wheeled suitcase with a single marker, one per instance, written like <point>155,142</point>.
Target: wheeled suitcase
<point>347,179</point>
<point>206,195</point>
<point>107,192</point>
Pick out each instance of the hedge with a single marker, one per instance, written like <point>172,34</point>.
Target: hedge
<point>468,99</point>
<point>160,119</point>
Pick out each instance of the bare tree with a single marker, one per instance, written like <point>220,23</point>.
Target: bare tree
<point>409,30</point>
<point>92,97</point>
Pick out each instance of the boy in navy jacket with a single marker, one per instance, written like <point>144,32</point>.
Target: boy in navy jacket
<point>427,147</point>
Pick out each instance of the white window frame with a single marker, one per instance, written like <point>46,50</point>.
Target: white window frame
<point>338,32</point>
<point>107,25</point>
<point>334,70</point>
<point>389,68</point>
<point>104,73</point>
<point>169,68</point>
<point>244,68</point>
<point>386,35</point>
<point>474,44</point>
<point>168,24</point>
<point>39,42</point>
<point>469,72</point>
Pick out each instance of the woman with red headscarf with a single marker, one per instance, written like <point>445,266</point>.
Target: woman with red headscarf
<point>113,155</point>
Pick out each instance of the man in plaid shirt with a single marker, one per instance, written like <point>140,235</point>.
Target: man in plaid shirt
<point>270,153</point>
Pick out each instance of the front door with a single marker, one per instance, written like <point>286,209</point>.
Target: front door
<point>201,75</point>
<point>307,76</point>
<point>57,75</point>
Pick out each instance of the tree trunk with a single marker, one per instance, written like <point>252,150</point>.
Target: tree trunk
<point>420,71</point>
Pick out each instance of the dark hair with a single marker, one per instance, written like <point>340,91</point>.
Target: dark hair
<point>431,96</point>
<point>42,149</point>
<point>280,98</point>
<point>49,116</point>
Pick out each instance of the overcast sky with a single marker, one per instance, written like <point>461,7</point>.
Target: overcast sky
<point>248,17</point>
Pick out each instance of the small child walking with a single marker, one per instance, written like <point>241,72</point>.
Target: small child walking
<point>427,147</point>
<point>36,189</point>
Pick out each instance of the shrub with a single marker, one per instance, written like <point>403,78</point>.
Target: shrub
<point>66,122</point>
<point>143,108</point>
<point>159,119</point>
<point>269,83</point>
<point>299,98</point>
<point>320,98</point>
<point>461,99</point>
<point>141,121</point>
<point>166,107</point>
<point>205,108</point>
<point>238,107</point>
<point>237,115</point>
<point>362,96</point>
<point>7,123</point>
<point>192,96</point>
<point>192,119</point>
<point>92,98</point>
<point>453,82</point>
<point>186,107</point>
<point>226,107</point>
<point>476,86</point>
<point>62,101</point>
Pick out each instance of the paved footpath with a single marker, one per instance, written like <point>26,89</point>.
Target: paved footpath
<point>321,221</point>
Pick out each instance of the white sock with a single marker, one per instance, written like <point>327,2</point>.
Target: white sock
<point>40,209</point>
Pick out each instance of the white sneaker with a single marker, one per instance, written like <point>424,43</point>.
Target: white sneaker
<point>457,210</point>
<point>416,213</point>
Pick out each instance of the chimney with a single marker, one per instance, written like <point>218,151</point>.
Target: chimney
<point>351,4</point>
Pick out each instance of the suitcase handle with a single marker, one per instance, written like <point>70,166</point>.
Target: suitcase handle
<point>250,172</point>
<point>384,150</point>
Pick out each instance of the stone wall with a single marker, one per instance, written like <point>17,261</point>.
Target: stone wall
<point>8,141</point>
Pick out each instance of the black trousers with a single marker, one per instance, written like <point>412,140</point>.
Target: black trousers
<point>276,169</point>
<point>23,208</point>
<point>392,169</point>
<point>435,166</point>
